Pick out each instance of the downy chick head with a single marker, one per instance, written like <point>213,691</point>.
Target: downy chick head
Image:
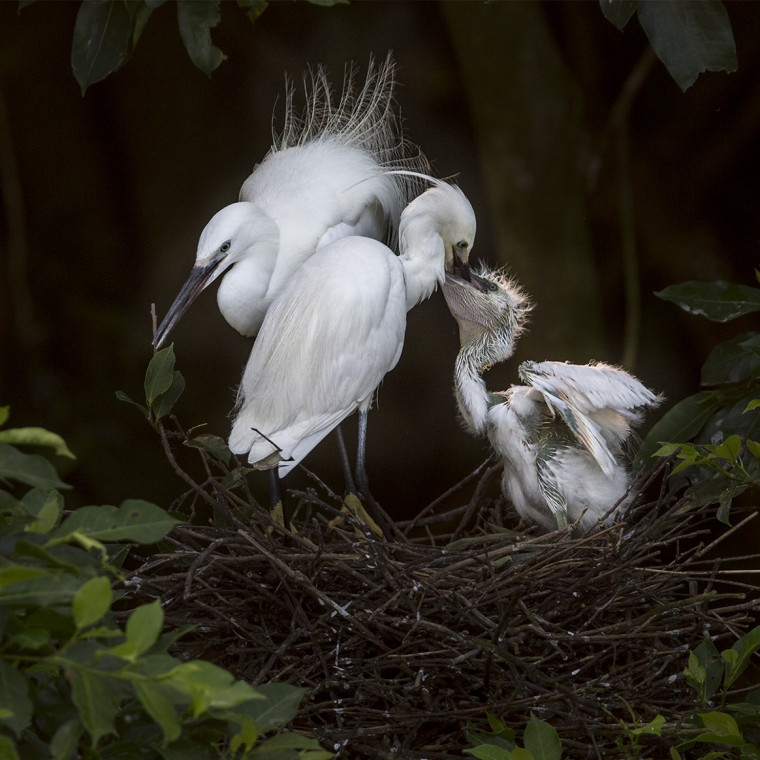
<point>491,310</point>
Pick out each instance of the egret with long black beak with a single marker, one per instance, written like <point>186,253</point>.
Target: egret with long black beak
<point>563,435</point>
<point>325,177</point>
<point>337,328</point>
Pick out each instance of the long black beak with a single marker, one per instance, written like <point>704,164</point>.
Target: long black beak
<point>196,282</point>
<point>459,267</point>
<point>464,277</point>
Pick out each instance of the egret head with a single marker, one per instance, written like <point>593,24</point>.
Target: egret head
<point>491,311</point>
<point>445,210</point>
<point>232,234</point>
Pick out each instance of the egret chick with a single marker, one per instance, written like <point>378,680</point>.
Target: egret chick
<point>562,436</point>
<point>337,327</point>
<point>325,177</point>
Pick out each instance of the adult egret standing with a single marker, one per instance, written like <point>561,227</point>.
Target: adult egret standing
<point>562,435</point>
<point>325,177</point>
<point>337,327</point>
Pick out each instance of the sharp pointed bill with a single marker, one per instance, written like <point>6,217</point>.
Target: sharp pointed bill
<point>328,175</point>
<point>200,277</point>
<point>562,436</point>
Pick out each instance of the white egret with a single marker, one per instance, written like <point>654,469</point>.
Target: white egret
<point>337,327</point>
<point>325,177</point>
<point>562,435</point>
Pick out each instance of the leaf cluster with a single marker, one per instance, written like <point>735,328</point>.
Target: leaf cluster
<point>76,683</point>
<point>734,724</point>
<point>688,36</point>
<point>714,432</point>
<point>106,32</point>
<point>540,739</point>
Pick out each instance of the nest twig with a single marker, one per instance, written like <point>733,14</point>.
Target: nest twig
<point>401,643</point>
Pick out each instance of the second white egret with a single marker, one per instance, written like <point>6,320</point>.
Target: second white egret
<point>337,327</point>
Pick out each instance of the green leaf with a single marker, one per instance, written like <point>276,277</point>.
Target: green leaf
<point>165,402</point>
<point>17,574</point>
<point>289,745</point>
<point>689,37</point>
<point>744,648</point>
<point>4,414</point>
<point>541,740</point>
<point>681,423</point>
<point>254,8</point>
<point>14,699</point>
<point>718,301</point>
<point>93,696</point>
<point>46,506</point>
<point>196,20</point>
<point>47,591</point>
<point>731,420</point>
<point>653,728</point>
<point>734,361</point>
<point>211,687</point>
<point>160,373</point>
<point>618,12</point>
<point>31,469</point>
<point>158,705</point>
<point>104,35</point>
<point>36,436</point>
<point>489,752</point>
<point>123,397</point>
<point>66,739</point>
<point>144,626</point>
<point>134,520</point>
<point>213,444</point>
<point>752,405</point>
<point>729,449</point>
<point>722,729</point>
<point>8,749</point>
<point>705,670</point>
<point>92,601</point>
<point>277,708</point>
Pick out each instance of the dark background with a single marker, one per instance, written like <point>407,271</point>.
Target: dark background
<point>104,197</point>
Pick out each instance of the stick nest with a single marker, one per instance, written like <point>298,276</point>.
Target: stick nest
<point>403,642</point>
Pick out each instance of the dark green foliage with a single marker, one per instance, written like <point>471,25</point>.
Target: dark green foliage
<point>688,36</point>
<point>540,739</point>
<point>714,432</point>
<point>74,682</point>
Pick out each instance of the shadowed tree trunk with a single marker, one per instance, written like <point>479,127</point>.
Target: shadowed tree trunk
<point>531,140</point>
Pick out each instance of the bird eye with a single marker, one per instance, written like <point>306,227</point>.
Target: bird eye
<point>224,247</point>
<point>463,244</point>
<point>493,286</point>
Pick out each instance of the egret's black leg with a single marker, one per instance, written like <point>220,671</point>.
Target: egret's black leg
<point>344,463</point>
<point>276,499</point>
<point>361,476</point>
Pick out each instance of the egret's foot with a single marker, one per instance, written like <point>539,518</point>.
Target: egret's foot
<point>277,513</point>
<point>353,506</point>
